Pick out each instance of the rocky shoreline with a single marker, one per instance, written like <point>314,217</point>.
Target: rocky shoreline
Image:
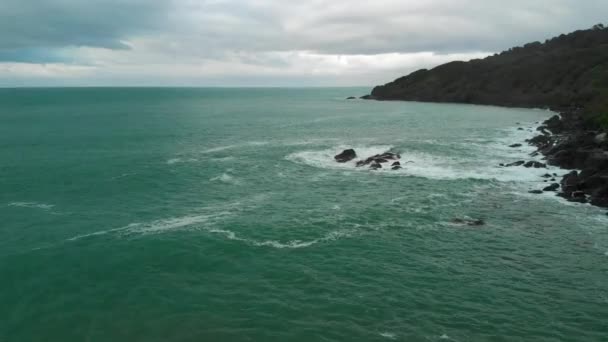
<point>571,142</point>
<point>568,141</point>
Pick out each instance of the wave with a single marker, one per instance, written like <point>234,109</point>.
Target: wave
<point>32,205</point>
<point>181,160</point>
<point>471,158</point>
<point>389,335</point>
<point>233,146</point>
<point>226,178</point>
<point>292,244</point>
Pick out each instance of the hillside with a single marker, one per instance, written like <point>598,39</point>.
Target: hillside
<point>566,71</point>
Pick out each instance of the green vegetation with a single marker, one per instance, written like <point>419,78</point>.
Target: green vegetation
<point>569,71</point>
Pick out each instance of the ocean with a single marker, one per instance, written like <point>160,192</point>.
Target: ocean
<point>185,214</point>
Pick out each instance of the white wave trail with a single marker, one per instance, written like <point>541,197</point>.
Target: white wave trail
<point>31,205</point>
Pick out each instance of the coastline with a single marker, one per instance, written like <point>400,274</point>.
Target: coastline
<point>569,141</point>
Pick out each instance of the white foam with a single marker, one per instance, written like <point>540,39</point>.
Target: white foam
<point>181,160</point>
<point>229,147</point>
<point>444,337</point>
<point>32,205</point>
<point>124,175</point>
<point>293,244</point>
<point>425,165</point>
<point>389,335</point>
<point>225,178</point>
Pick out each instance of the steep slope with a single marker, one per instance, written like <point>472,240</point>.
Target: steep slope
<point>569,70</point>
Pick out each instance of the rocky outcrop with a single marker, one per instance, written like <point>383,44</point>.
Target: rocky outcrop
<point>346,156</point>
<point>374,162</point>
<point>573,144</point>
<point>379,159</point>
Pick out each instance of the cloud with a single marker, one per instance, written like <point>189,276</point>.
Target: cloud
<point>62,23</point>
<point>233,42</point>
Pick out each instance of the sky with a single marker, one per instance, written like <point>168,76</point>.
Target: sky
<point>264,42</point>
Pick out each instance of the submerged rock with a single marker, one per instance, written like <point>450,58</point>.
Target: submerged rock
<point>379,159</point>
<point>375,166</point>
<point>351,98</point>
<point>469,222</point>
<point>552,187</point>
<point>536,192</point>
<point>346,156</point>
<point>515,145</point>
<point>535,164</point>
<point>517,163</point>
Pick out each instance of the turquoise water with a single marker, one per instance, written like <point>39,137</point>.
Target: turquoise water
<point>220,215</point>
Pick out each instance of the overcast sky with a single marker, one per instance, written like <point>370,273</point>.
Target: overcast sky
<point>264,42</point>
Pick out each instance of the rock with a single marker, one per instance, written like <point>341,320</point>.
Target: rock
<point>396,167</point>
<point>535,164</point>
<point>517,163</point>
<point>540,141</point>
<point>546,175</point>
<point>570,183</point>
<point>396,164</point>
<point>375,166</point>
<point>596,159</point>
<point>469,222</point>
<point>555,124</point>
<point>515,145</point>
<point>368,97</point>
<point>578,197</point>
<point>590,184</point>
<point>351,98</point>
<point>564,158</point>
<point>346,156</point>
<point>536,192</point>
<point>520,129</point>
<point>552,187</point>
<point>379,158</point>
<point>600,197</point>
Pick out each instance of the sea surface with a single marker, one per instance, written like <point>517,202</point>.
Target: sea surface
<point>158,214</point>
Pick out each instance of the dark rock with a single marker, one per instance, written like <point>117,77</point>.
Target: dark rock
<point>590,184</point>
<point>540,141</point>
<point>520,129</point>
<point>535,164</point>
<point>351,98</point>
<point>368,97</point>
<point>546,175</point>
<point>469,222</point>
<point>600,197</point>
<point>555,124</point>
<point>346,156</point>
<point>375,166</point>
<point>515,145</point>
<point>517,163</point>
<point>552,187</point>
<point>570,183</point>
<point>536,192</point>
<point>396,164</point>
<point>396,167</point>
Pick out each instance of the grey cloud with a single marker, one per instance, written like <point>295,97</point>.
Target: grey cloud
<point>29,25</point>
